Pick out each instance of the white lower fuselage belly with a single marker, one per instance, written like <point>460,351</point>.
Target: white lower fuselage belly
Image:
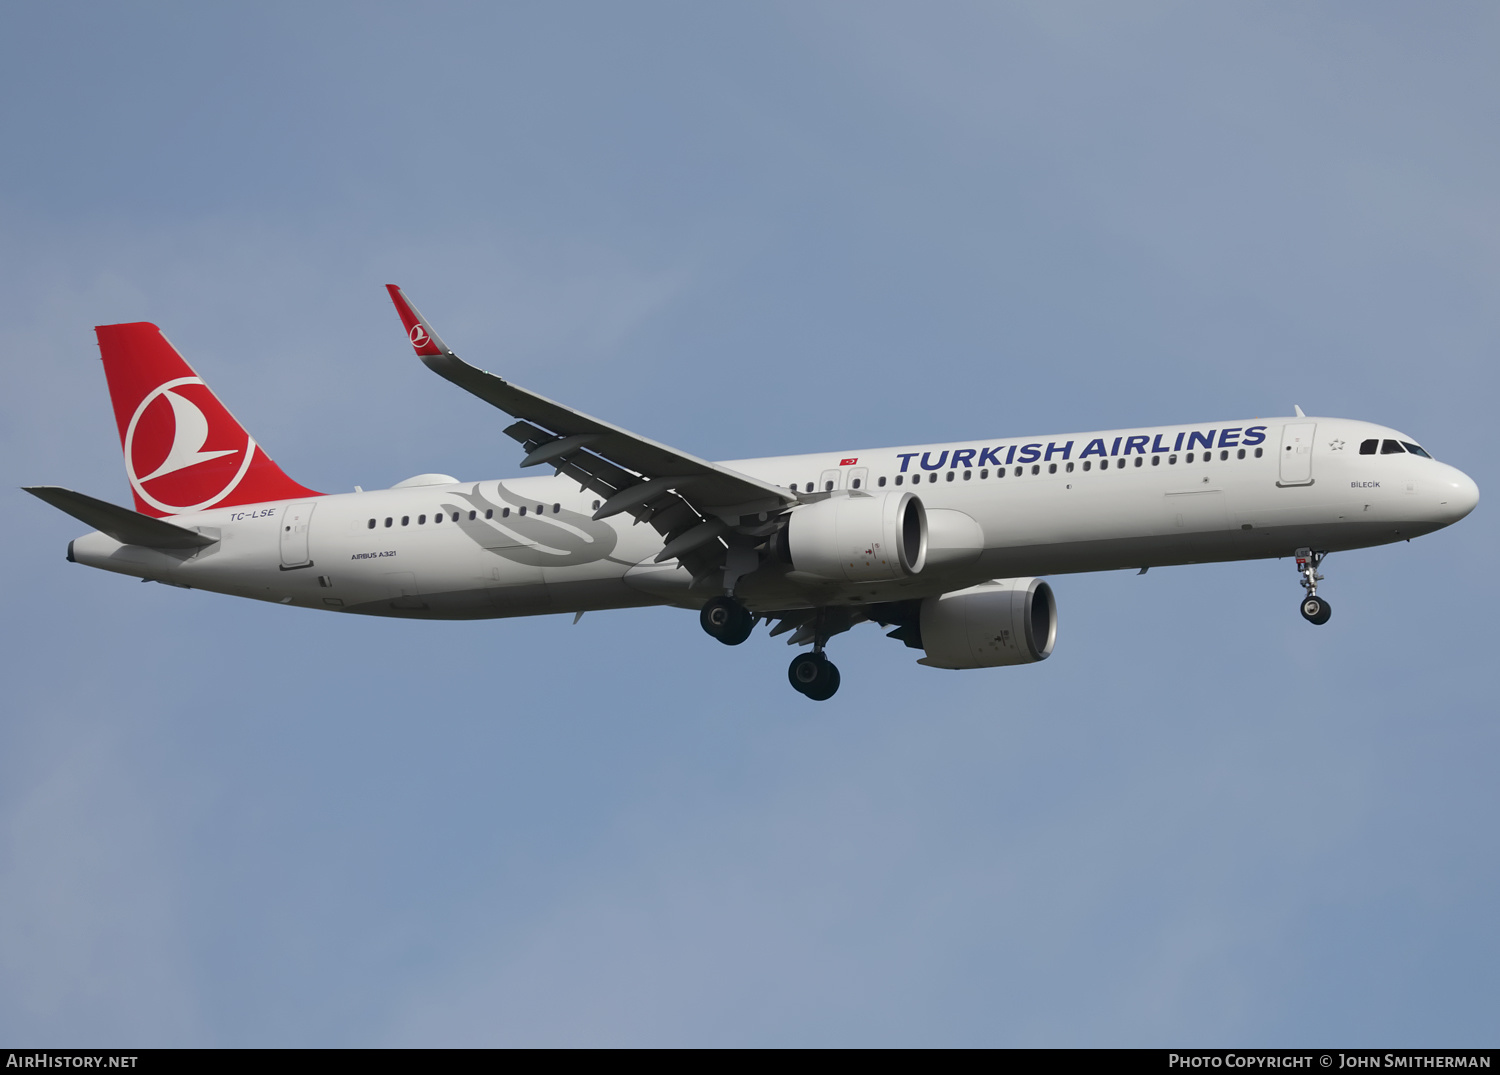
<point>1160,508</point>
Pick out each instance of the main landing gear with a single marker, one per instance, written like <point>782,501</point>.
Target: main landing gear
<point>1314,608</point>
<point>727,620</point>
<point>811,674</point>
<point>814,675</point>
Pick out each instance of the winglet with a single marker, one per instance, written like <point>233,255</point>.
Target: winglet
<point>418,331</point>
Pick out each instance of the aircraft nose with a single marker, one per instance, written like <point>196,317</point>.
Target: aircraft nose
<point>1457,496</point>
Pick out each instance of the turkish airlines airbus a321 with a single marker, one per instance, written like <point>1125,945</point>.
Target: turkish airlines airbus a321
<point>943,543</point>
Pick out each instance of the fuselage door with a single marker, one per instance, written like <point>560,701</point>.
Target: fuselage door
<point>831,480</point>
<point>294,523</point>
<point>1296,453</point>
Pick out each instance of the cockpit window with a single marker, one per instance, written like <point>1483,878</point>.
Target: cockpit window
<point>1391,447</point>
<point>1416,449</point>
<point>1367,447</point>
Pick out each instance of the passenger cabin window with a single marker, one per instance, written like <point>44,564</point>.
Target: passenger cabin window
<point>828,487</point>
<point>898,479</point>
<point>1391,447</point>
<point>1367,447</point>
<point>421,520</point>
<point>505,513</point>
<point>1156,460</point>
<point>406,520</point>
<point>556,508</point>
<point>1070,468</point>
<point>1139,460</point>
<point>489,513</point>
<point>388,520</point>
<point>950,475</point>
<point>1087,463</point>
<point>437,518</point>
<point>372,524</point>
<point>1258,452</point>
<point>854,484</point>
<point>1415,449</point>
<point>882,481</point>
<point>1171,460</point>
<point>472,515</point>
<point>985,473</point>
<point>1036,468</point>
<point>1224,455</point>
<point>1240,454</point>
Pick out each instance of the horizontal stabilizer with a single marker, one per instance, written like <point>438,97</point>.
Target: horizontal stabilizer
<point>125,526</point>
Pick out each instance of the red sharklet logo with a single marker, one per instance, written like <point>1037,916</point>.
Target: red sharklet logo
<point>184,451</point>
<point>421,339</point>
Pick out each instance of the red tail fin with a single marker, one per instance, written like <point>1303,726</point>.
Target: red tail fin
<point>184,451</point>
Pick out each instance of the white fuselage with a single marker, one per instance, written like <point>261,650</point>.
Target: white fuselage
<point>1263,489</point>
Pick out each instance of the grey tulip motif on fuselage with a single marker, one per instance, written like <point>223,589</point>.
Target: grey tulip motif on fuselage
<point>561,539</point>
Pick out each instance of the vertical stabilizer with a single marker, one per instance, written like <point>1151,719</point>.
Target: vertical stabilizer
<point>184,451</point>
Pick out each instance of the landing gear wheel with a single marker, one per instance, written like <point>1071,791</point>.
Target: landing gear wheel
<point>814,675</point>
<point>1316,610</point>
<point>727,620</point>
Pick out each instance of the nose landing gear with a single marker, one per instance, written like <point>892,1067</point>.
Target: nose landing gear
<point>1314,608</point>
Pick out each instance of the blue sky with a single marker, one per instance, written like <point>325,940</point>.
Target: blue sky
<point>747,230</point>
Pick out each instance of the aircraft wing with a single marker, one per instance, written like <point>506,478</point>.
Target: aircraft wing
<point>690,501</point>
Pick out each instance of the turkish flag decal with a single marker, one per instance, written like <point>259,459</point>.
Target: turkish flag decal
<point>847,462</point>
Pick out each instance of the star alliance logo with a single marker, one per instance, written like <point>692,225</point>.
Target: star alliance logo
<point>1336,445</point>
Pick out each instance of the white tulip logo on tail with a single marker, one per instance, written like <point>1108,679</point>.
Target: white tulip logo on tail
<point>189,433</point>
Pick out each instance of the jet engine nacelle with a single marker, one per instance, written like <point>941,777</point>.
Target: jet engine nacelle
<point>858,538</point>
<point>1008,621</point>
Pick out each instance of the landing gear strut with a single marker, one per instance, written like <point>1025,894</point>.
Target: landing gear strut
<point>727,620</point>
<point>813,674</point>
<point>1314,608</point>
